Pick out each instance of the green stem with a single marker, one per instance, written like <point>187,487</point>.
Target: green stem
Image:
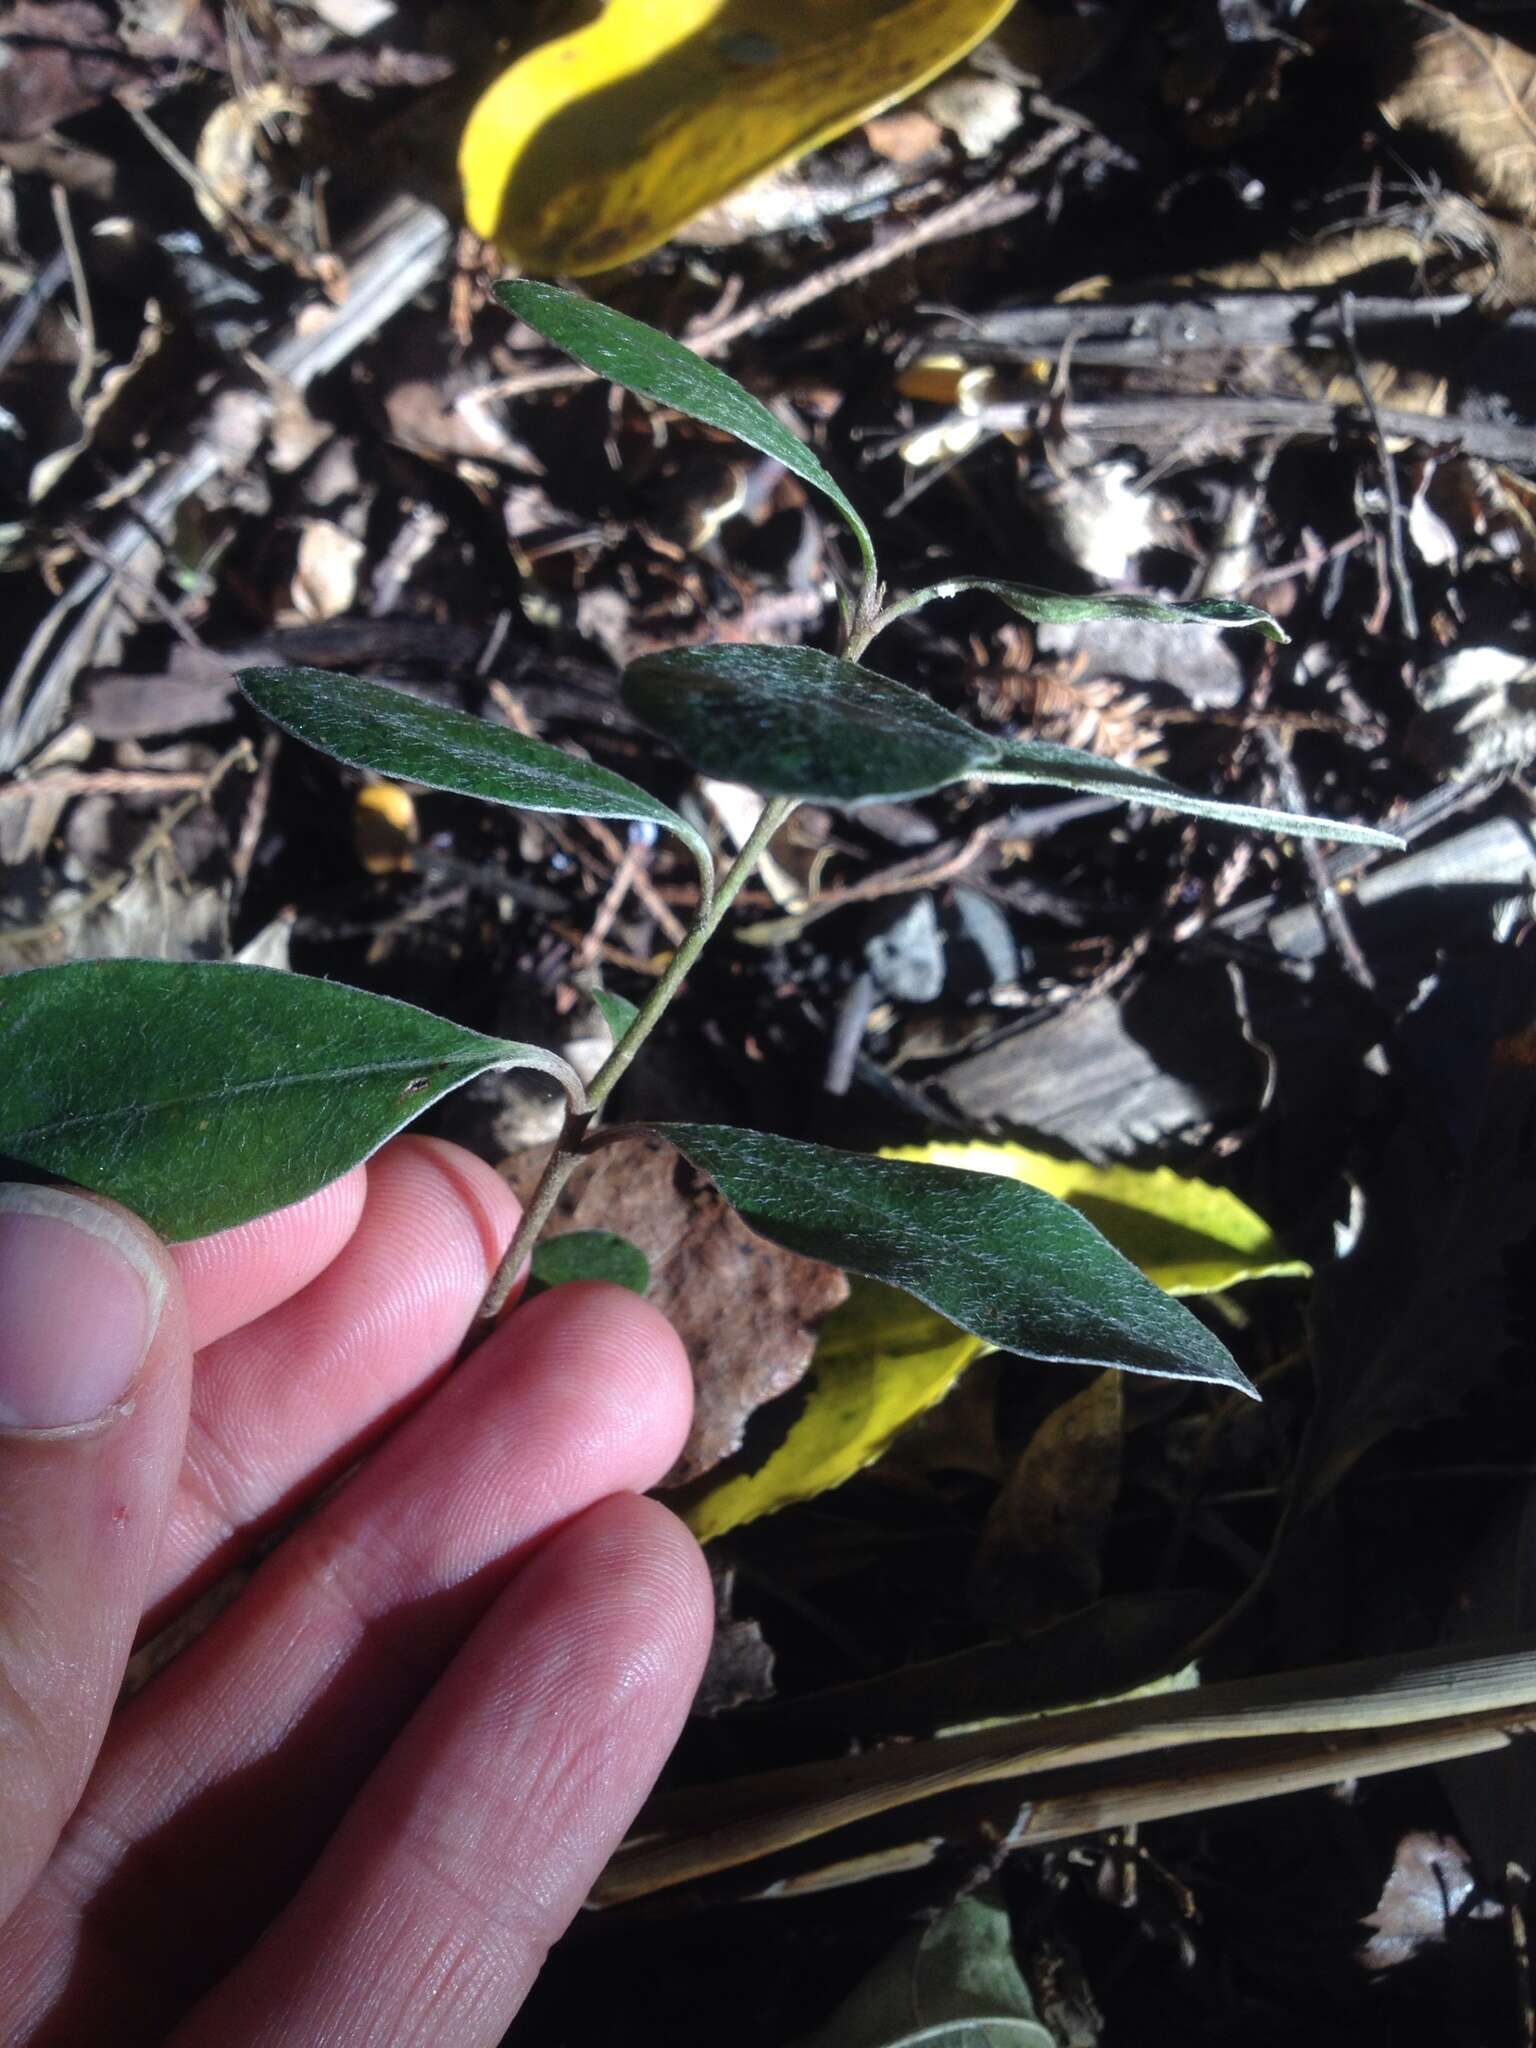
<point>564,1158</point>
<point>774,813</point>
<point>864,630</point>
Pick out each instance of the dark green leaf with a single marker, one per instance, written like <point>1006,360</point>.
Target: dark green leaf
<point>640,358</point>
<point>369,725</point>
<point>791,722</point>
<point>1001,1259</point>
<point>588,1255</point>
<point>1069,768</point>
<point>200,1094</point>
<point>617,1012</point>
<point>1056,608</point>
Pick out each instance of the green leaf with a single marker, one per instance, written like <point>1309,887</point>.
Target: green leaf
<point>791,722</point>
<point>642,359</point>
<point>952,1984</point>
<point>201,1094</point>
<point>369,725</point>
<point>1001,1259</point>
<point>617,1012</point>
<point>1187,1235</point>
<point>588,1255</point>
<point>882,1359</point>
<point>1056,608</point>
<point>1040,761</point>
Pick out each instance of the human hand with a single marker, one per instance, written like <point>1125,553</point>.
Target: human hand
<point>363,1804</point>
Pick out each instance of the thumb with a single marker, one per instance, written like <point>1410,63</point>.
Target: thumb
<point>94,1375</point>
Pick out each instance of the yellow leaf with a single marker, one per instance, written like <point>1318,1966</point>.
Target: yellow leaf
<point>384,829</point>
<point>1190,1237</point>
<point>883,1359</point>
<point>596,146</point>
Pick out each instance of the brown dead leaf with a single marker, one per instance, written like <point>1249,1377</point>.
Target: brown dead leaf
<point>1038,1558</point>
<point>438,405</point>
<point>64,57</point>
<point>1476,92</point>
<point>747,1312</point>
<point>905,137</point>
<point>740,1667</point>
<point>325,575</point>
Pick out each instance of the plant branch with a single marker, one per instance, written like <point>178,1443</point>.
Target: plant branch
<point>865,629</point>
<point>774,813</point>
<point>563,1159</point>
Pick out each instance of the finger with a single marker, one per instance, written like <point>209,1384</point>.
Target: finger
<point>237,1275</point>
<point>94,1365</point>
<point>474,1844</point>
<point>261,1733</point>
<point>284,1403</point>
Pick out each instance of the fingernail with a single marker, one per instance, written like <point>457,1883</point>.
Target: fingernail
<point>80,1296</point>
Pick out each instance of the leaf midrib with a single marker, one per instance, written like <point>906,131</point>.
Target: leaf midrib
<point>234,1088</point>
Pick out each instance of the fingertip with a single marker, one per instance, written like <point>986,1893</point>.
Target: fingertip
<point>647,1565</point>
<point>612,1349</point>
<point>236,1275</point>
<point>489,1204</point>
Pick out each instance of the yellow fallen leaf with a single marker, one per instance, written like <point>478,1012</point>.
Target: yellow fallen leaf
<point>1188,1236</point>
<point>596,146</point>
<point>883,1359</point>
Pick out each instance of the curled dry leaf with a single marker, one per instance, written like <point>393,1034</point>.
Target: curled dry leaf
<point>747,1312</point>
<point>740,1667</point>
<point>229,150</point>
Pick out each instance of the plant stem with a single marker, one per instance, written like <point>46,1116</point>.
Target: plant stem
<point>567,1153</point>
<point>562,1162</point>
<point>865,629</point>
<point>774,812</point>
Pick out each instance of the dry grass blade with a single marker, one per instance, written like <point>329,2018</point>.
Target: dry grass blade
<point>1067,1804</point>
<point>1426,1706</point>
